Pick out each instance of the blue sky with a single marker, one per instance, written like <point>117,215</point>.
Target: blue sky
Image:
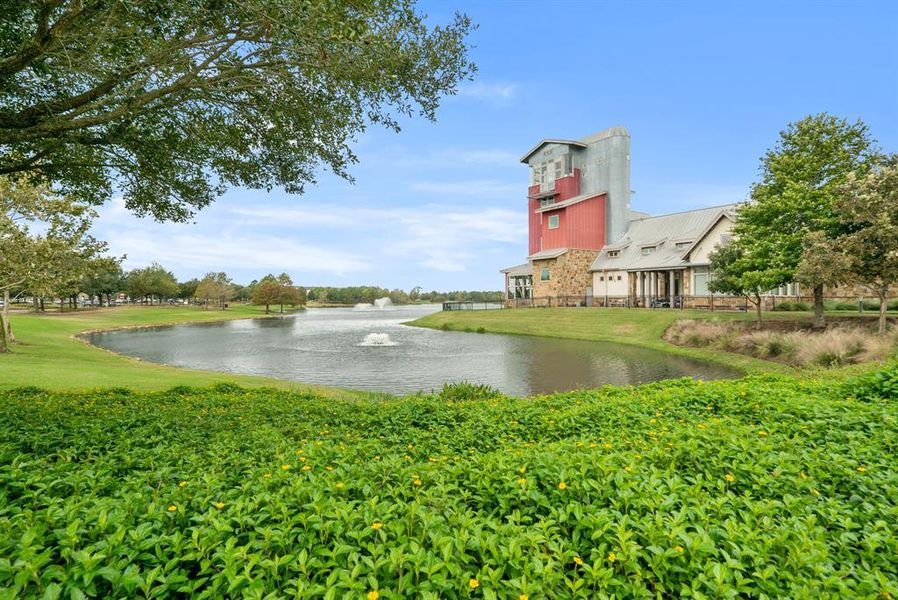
<point>704,88</point>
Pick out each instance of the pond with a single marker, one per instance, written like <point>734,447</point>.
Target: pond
<point>370,349</point>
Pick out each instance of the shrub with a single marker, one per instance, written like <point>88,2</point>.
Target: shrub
<point>792,305</point>
<point>770,344</point>
<point>833,348</point>
<point>464,390</point>
<point>881,385</point>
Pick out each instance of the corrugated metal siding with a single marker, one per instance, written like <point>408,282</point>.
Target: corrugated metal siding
<point>585,224</point>
<point>535,229</point>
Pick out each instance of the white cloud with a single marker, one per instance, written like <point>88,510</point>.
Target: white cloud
<point>480,188</point>
<point>497,92</point>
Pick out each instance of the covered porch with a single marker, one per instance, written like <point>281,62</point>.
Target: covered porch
<point>658,288</point>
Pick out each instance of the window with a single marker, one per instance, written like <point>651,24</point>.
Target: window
<point>544,275</point>
<point>618,277</point>
<point>682,245</point>
<point>648,250</point>
<point>700,283</point>
<point>613,253</point>
<point>601,278</point>
<point>553,222</point>
<point>547,201</point>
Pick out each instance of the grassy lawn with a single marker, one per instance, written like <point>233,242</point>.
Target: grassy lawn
<point>636,327</point>
<point>47,355</point>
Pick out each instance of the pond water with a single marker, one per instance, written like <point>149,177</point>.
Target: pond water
<point>371,349</point>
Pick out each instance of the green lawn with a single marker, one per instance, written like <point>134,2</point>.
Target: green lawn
<point>628,326</point>
<point>49,356</point>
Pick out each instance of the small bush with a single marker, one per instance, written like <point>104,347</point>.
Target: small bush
<point>792,306</point>
<point>446,327</point>
<point>770,344</point>
<point>833,348</point>
<point>464,390</point>
<point>481,330</point>
<point>882,384</point>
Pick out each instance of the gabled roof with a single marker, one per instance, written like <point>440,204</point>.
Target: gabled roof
<point>536,148</point>
<point>663,232</point>
<point>617,130</point>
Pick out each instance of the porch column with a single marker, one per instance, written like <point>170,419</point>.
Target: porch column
<point>670,285</point>
<point>640,282</point>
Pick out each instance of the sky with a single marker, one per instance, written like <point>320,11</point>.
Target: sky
<point>703,87</point>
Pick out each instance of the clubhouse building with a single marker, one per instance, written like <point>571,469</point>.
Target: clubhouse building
<point>587,247</point>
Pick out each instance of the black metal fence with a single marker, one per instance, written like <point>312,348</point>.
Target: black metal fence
<point>474,305</point>
<point>708,302</point>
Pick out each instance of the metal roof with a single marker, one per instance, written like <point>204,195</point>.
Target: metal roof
<point>546,254</point>
<point>662,232</point>
<point>617,130</point>
<point>525,269</point>
<point>568,202</point>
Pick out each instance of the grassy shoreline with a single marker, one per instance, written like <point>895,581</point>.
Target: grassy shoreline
<point>640,328</point>
<point>51,355</point>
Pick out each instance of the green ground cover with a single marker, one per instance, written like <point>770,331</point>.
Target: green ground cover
<point>50,356</point>
<point>764,487</point>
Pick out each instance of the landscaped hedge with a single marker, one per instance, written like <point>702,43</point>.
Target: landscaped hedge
<point>763,487</point>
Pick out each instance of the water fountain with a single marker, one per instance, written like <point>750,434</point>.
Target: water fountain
<point>379,304</point>
<point>377,339</point>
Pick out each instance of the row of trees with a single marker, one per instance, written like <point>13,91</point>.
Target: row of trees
<point>356,294</point>
<point>824,213</point>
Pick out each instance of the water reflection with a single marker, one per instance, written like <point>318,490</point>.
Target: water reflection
<point>325,346</point>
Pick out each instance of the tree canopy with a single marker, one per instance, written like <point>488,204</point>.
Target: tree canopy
<point>173,101</point>
<point>800,181</point>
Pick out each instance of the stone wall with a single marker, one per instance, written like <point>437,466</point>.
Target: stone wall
<point>568,274</point>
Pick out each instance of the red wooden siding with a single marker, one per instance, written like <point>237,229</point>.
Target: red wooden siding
<point>581,225</point>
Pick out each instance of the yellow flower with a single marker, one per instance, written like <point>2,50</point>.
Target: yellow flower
<point>562,485</point>
<point>522,481</point>
<point>593,445</point>
<point>417,482</point>
<point>329,468</point>
<point>182,484</point>
<point>266,475</point>
<point>762,433</point>
<point>473,583</point>
<point>302,459</point>
<point>340,485</point>
<point>219,505</point>
<point>522,470</point>
<point>307,468</point>
<point>523,597</point>
<point>172,508</point>
<point>862,469</point>
<point>612,557</point>
<point>607,446</point>
<point>285,467</point>
<point>377,525</point>
<point>815,491</point>
<point>578,560</point>
<point>373,595</point>
<point>678,548</point>
<point>730,477</point>
<point>628,469</point>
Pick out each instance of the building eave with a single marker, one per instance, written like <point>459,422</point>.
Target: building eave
<point>536,148</point>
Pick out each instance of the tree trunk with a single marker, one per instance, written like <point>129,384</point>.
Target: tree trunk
<point>43,308</point>
<point>267,309</point>
<point>883,293</point>
<point>7,327</point>
<point>758,307</point>
<point>282,309</point>
<point>34,304</point>
<point>819,318</point>
<point>4,345</point>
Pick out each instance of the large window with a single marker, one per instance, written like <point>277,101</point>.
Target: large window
<point>544,275</point>
<point>648,250</point>
<point>553,222</point>
<point>700,283</point>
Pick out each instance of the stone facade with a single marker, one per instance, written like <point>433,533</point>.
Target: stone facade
<point>568,274</point>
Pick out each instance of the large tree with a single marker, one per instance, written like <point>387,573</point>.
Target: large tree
<point>175,100</point>
<point>215,287</point>
<point>800,182</point>
<point>868,208</point>
<point>43,242</point>
<point>104,278</point>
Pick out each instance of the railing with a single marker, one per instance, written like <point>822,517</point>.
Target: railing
<point>473,305</point>
<point>708,302</point>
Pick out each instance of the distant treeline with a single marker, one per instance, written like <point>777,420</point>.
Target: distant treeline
<point>366,293</point>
